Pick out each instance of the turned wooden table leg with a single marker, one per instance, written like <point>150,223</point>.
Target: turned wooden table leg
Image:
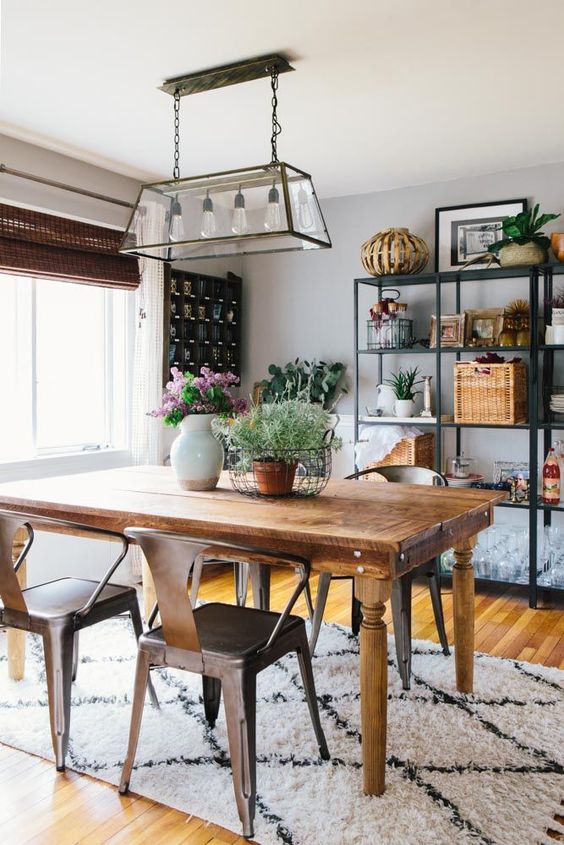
<point>463,607</point>
<point>373,681</point>
<point>16,638</point>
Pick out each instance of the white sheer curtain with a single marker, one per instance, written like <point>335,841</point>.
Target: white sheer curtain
<point>146,432</point>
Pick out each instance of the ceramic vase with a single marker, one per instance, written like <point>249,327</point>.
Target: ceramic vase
<point>196,455</point>
<point>404,408</point>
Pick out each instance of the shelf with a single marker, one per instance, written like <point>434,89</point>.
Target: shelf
<point>422,350</point>
<point>537,280</point>
<point>452,276</point>
<point>523,426</point>
<point>366,420</point>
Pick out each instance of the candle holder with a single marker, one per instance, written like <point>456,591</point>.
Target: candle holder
<point>427,412</point>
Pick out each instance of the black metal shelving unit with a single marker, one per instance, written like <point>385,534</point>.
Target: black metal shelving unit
<point>540,372</point>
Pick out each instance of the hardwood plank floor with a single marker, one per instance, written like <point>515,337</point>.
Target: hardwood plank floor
<point>42,807</point>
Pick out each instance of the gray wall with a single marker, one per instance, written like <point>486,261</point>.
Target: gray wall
<point>61,168</point>
<point>302,303</point>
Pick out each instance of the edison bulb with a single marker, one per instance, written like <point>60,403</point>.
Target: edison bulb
<point>239,225</point>
<point>272,218</point>
<point>305,216</point>
<point>209,227</point>
<point>176,231</point>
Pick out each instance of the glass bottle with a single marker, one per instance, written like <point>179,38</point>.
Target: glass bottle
<point>551,479</point>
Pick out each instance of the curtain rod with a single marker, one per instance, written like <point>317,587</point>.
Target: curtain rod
<point>20,174</point>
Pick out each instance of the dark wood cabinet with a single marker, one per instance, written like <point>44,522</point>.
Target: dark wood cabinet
<point>202,322</point>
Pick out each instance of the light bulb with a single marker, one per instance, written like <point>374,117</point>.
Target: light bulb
<point>209,228</point>
<point>176,231</point>
<point>272,218</point>
<point>239,225</point>
<point>305,217</point>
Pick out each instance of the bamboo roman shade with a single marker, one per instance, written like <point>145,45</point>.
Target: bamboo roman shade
<point>36,244</point>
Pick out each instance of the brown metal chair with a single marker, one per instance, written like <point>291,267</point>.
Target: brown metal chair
<point>57,611</point>
<point>401,589</point>
<point>227,644</point>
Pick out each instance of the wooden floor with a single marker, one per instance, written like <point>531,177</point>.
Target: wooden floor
<point>40,807</point>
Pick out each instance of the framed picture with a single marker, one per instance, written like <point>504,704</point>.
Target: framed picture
<point>506,470</point>
<point>452,330</point>
<point>463,232</point>
<point>484,326</point>
<point>517,475</point>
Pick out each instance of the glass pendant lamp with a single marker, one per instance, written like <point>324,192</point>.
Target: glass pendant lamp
<point>266,208</point>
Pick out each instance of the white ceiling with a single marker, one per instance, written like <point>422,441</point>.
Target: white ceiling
<point>385,94</point>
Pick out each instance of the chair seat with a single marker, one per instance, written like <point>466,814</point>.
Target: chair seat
<point>229,630</point>
<point>65,596</point>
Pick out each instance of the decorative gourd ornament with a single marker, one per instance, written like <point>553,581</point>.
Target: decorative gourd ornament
<point>394,252</point>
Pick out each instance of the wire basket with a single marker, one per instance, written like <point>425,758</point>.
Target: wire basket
<point>295,472</point>
<point>396,333</point>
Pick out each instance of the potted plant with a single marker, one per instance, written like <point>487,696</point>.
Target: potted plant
<point>274,437</point>
<point>402,384</point>
<point>557,306</point>
<point>317,381</point>
<point>523,242</point>
<point>193,402</point>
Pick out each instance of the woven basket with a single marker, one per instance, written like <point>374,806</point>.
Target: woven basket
<point>495,394</point>
<point>520,255</point>
<point>411,451</point>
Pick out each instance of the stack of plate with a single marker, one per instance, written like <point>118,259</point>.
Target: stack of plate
<point>453,481</point>
<point>557,403</point>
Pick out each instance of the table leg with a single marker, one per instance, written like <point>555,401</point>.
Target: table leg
<point>373,681</point>
<point>463,607</point>
<point>16,638</point>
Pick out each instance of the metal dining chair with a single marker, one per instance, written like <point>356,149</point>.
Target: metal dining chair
<point>401,588</point>
<point>58,610</point>
<point>228,645</point>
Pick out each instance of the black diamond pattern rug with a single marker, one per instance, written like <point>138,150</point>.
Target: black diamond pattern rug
<point>485,769</point>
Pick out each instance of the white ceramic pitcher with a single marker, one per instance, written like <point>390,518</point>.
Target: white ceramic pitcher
<point>385,400</point>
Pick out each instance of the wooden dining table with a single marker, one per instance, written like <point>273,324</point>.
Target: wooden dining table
<point>373,532</point>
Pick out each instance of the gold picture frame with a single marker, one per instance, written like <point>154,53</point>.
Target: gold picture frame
<point>452,330</point>
<point>483,326</point>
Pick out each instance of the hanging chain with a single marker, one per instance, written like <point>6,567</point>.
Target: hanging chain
<point>176,168</point>
<point>276,128</point>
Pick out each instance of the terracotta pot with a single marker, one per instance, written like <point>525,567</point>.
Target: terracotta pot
<point>274,478</point>
<point>519,255</point>
<point>557,244</point>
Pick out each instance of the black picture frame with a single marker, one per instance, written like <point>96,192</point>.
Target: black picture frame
<point>463,231</point>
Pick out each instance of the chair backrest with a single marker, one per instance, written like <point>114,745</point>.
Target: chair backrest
<point>13,598</point>
<point>405,475</point>
<point>10,590</point>
<point>170,557</point>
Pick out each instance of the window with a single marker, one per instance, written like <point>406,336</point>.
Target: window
<point>63,376</point>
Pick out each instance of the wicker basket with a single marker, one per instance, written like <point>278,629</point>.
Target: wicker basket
<point>495,394</point>
<point>411,451</point>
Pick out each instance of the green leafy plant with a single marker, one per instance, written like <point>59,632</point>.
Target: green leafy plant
<point>403,383</point>
<point>269,430</point>
<point>524,228</point>
<point>316,382</point>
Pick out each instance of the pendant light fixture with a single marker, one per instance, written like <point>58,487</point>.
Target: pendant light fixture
<point>267,208</point>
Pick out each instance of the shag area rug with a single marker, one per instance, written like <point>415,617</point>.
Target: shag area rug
<point>483,769</point>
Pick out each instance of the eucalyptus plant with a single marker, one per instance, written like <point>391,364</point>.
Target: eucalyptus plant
<point>524,228</point>
<point>318,381</point>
